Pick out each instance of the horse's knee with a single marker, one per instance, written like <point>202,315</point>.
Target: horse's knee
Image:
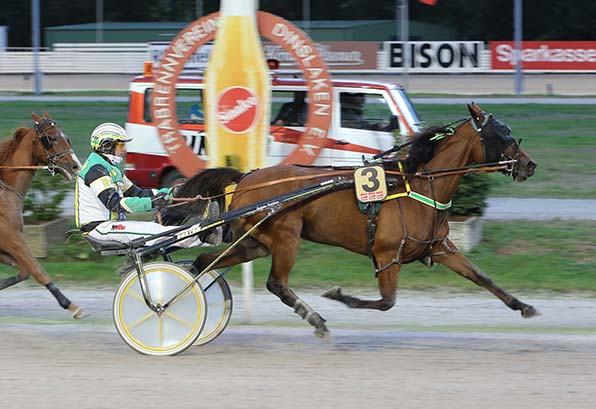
<point>24,275</point>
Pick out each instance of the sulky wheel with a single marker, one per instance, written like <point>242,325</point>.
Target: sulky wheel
<point>171,332</point>
<point>219,300</point>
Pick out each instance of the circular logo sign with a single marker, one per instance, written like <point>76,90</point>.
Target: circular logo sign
<point>238,112</point>
<point>237,109</point>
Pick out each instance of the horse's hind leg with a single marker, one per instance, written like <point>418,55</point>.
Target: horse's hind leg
<point>284,249</point>
<point>27,264</point>
<point>464,267</point>
<point>387,287</point>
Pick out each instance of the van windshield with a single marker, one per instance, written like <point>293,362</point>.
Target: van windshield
<point>407,106</point>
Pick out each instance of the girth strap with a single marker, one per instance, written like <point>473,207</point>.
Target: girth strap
<point>372,211</point>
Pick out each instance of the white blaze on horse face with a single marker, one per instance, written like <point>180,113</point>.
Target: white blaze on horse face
<point>76,160</point>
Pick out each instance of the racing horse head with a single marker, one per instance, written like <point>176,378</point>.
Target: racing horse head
<point>51,147</point>
<point>499,144</point>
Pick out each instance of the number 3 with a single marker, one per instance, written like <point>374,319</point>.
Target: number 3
<point>373,180</point>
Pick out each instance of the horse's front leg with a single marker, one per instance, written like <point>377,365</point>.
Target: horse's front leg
<point>459,263</point>
<point>284,241</point>
<point>387,287</point>
<point>15,279</point>
<point>27,264</point>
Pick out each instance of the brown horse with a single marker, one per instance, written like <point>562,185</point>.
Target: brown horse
<point>20,156</point>
<point>408,229</point>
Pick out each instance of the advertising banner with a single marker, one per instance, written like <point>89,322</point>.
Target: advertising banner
<point>337,55</point>
<point>435,56</point>
<point>545,55</point>
<point>236,107</point>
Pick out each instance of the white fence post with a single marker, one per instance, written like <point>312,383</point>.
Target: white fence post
<point>247,286</point>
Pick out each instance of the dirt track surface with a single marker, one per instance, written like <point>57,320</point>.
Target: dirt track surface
<point>431,351</point>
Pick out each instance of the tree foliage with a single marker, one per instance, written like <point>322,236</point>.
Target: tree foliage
<point>470,197</point>
<point>44,199</point>
<point>482,20</point>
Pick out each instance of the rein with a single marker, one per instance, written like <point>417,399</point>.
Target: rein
<point>478,168</point>
<point>486,167</point>
<point>25,167</point>
<point>184,200</point>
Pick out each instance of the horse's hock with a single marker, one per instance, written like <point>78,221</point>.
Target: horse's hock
<point>41,237</point>
<point>466,233</point>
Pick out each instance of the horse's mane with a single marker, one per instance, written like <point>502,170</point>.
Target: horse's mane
<point>209,183</point>
<point>8,146</point>
<point>422,147</point>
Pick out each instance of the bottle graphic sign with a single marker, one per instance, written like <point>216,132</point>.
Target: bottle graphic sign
<point>237,90</point>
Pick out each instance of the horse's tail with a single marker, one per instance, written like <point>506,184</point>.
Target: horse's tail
<point>210,182</point>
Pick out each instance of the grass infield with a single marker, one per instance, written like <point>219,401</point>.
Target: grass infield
<point>555,255</point>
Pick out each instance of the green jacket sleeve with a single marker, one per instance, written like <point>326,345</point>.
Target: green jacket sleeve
<point>136,204</point>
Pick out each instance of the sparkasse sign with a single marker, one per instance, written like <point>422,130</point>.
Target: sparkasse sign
<point>545,55</point>
<point>435,56</point>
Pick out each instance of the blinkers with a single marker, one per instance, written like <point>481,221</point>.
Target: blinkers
<point>496,137</point>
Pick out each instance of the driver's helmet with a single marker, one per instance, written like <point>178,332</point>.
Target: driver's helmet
<point>105,137</point>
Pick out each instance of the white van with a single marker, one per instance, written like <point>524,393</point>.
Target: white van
<point>366,119</point>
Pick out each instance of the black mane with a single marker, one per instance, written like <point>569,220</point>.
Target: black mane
<point>204,183</point>
<point>422,147</point>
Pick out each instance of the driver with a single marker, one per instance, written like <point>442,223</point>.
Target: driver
<point>103,195</point>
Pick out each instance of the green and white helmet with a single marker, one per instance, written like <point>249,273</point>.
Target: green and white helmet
<point>105,137</point>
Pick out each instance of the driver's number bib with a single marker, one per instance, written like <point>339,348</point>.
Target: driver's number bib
<point>370,184</point>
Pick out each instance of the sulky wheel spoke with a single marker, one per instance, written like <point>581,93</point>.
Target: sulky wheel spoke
<point>179,320</point>
<point>140,321</point>
<point>135,295</point>
<point>161,331</point>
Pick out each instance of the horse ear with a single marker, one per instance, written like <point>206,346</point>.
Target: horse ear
<point>36,118</point>
<point>45,114</point>
<point>477,114</point>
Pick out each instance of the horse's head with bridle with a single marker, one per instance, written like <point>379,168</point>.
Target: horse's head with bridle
<point>52,148</point>
<point>499,145</point>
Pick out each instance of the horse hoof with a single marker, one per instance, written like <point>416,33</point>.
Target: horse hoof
<point>323,333</point>
<point>79,314</point>
<point>333,293</point>
<point>530,312</point>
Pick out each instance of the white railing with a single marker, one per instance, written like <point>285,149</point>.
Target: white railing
<point>125,58</point>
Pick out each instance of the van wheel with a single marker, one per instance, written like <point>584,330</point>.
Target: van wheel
<point>172,178</point>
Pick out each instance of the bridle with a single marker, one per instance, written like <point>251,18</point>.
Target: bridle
<point>48,143</point>
<point>495,137</point>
